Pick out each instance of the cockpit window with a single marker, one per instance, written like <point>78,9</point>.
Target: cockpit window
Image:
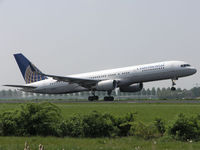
<point>185,65</point>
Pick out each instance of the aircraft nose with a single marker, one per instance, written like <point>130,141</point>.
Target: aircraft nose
<point>193,70</point>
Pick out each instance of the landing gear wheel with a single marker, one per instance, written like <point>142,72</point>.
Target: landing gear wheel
<point>96,98</point>
<point>93,98</point>
<point>90,98</point>
<point>173,89</point>
<point>108,98</point>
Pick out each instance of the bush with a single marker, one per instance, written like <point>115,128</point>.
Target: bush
<point>146,131</point>
<point>160,125</point>
<point>124,128</point>
<point>8,124</point>
<point>123,124</point>
<point>72,127</point>
<point>185,128</point>
<point>44,119</point>
<point>97,125</point>
<point>31,119</point>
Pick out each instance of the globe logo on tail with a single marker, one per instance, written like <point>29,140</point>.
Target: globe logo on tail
<point>33,76</point>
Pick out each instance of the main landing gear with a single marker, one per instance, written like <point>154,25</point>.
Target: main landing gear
<point>173,84</point>
<point>109,97</point>
<point>94,97</point>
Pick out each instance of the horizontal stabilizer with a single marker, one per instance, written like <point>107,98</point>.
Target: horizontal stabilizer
<point>21,86</point>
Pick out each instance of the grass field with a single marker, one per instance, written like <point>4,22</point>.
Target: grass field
<point>145,112</point>
<point>128,143</point>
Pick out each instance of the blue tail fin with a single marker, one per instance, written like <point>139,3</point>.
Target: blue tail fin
<point>29,71</point>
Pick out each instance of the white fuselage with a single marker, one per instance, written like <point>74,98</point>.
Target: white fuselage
<point>126,76</point>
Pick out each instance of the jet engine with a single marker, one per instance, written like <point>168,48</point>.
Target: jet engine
<point>106,85</point>
<point>132,88</point>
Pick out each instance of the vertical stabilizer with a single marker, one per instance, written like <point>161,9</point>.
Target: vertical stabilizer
<point>29,72</point>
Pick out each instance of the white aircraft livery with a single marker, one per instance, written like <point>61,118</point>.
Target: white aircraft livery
<point>128,79</point>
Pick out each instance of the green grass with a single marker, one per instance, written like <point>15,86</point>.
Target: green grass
<point>145,112</point>
<point>128,143</point>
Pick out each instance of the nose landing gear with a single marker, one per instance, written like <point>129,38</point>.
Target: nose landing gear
<point>173,84</point>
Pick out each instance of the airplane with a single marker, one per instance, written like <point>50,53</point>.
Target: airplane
<point>128,79</point>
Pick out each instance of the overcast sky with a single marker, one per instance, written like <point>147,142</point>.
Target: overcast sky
<point>64,37</point>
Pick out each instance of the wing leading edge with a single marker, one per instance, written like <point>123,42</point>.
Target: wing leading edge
<point>87,83</point>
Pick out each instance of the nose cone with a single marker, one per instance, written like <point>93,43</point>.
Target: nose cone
<point>193,70</point>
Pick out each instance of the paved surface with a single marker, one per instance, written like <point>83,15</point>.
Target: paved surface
<point>116,101</point>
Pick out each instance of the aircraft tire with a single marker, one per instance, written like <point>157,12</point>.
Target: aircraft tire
<point>108,98</point>
<point>90,98</point>
<point>93,98</point>
<point>96,98</point>
<point>173,89</point>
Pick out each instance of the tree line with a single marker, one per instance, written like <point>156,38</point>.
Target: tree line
<point>153,93</point>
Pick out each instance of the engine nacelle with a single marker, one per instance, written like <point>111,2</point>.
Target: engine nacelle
<point>107,85</point>
<point>132,88</point>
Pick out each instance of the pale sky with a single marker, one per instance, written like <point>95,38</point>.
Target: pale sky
<point>64,37</point>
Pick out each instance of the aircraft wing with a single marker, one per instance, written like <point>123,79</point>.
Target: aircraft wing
<point>21,86</point>
<point>87,83</point>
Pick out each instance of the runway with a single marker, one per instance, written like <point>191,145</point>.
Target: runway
<point>101,101</point>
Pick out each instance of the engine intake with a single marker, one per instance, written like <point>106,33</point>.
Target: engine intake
<point>107,85</point>
<point>132,88</point>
